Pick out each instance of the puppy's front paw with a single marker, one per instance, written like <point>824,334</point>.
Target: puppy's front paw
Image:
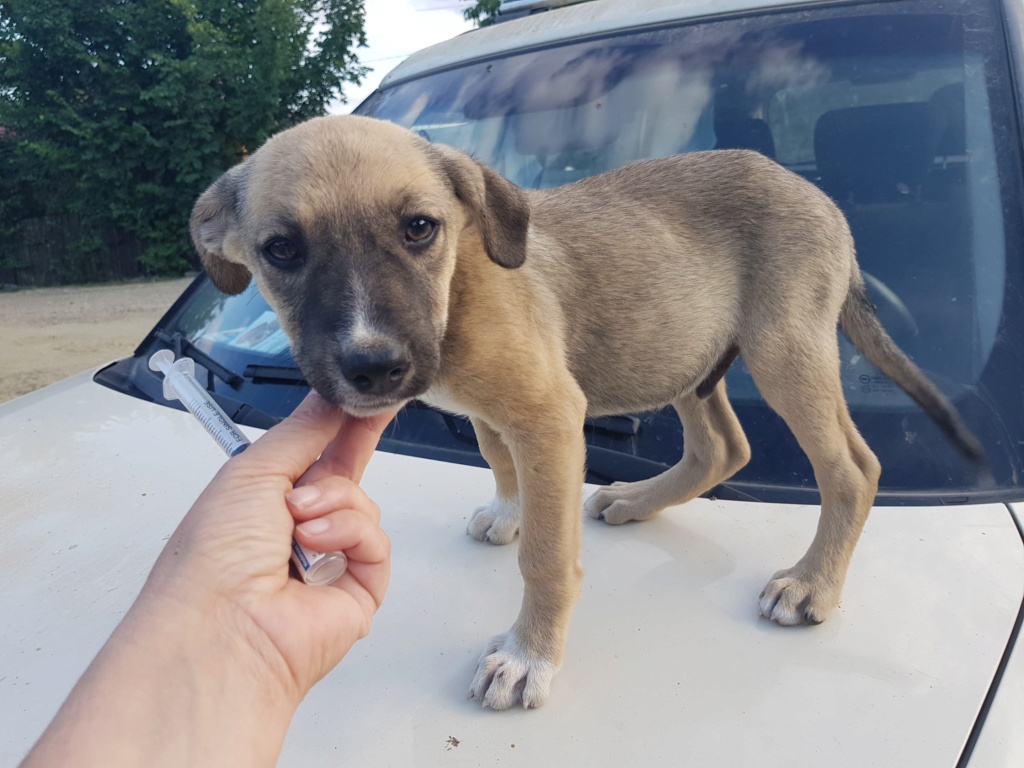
<point>497,522</point>
<point>506,675</point>
<point>798,596</point>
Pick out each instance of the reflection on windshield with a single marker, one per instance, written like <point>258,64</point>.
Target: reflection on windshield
<point>874,115</point>
<point>239,330</point>
<point>898,111</point>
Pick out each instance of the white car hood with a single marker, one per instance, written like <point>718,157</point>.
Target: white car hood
<point>667,661</point>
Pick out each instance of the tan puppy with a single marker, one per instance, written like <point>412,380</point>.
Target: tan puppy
<point>401,269</point>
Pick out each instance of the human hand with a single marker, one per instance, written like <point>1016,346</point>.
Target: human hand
<point>229,557</point>
<point>214,656</point>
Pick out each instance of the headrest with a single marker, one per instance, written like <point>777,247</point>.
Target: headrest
<point>744,133</point>
<point>874,154</point>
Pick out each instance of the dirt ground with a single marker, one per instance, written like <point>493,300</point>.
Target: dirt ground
<point>51,333</point>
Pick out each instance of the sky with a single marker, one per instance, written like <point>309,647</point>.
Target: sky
<point>394,30</point>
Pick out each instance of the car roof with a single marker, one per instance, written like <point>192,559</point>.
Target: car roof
<point>569,23</point>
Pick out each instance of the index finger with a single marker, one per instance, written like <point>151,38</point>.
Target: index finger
<point>349,452</point>
<point>296,442</point>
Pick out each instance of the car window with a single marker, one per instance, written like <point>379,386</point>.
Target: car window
<point>867,102</point>
<point>901,111</point>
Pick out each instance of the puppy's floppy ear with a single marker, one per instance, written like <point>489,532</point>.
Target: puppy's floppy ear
<point>499,208</point>
<point>213,229</point>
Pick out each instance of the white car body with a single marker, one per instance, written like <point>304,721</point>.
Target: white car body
<point>667,662</point>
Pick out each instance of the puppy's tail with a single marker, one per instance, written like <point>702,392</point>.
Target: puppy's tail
<point>861,325</point>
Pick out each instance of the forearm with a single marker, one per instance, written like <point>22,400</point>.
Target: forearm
<point>174,686</point>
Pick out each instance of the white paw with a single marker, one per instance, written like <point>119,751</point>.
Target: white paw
<point>497,522</point>
<point>619,503</point>
<point>794,596</point>
<point>506,675</point>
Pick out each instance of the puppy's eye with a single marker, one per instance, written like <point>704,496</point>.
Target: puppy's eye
<point>282,252</point>
<point>420,230</point>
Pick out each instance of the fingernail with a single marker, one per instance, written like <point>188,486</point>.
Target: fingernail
<point>304,496</point>
<point>314,527</point>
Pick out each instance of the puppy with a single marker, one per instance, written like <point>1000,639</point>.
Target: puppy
<point>401,269</point>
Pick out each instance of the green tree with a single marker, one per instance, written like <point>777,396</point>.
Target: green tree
<point>121,111</point>
<point>482,13</point>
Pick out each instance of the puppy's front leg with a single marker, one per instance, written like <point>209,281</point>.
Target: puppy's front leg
<point>518,666</point>
<point>498,521</point>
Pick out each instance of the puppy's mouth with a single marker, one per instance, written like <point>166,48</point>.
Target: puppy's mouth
<point>368,379</point>
<point>363,410</point>
<point>339,392</point>
<point>342,391</point>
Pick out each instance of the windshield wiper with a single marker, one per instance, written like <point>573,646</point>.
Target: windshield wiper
<point>183,347</point>
<point>275,374</point>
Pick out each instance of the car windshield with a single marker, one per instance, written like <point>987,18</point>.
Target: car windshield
<point>900,111</point>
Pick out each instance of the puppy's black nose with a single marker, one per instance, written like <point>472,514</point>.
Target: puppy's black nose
<point>375,371</point>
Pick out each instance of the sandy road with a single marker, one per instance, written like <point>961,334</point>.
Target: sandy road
<point>47,334</point>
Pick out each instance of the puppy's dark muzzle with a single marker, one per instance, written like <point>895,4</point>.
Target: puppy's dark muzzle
<point>375,371</point>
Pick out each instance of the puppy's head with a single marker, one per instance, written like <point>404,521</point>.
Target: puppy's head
<point>350,227</point>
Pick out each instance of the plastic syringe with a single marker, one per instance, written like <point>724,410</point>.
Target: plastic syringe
<point>180,383</point>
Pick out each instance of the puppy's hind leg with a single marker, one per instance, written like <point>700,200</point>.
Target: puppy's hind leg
<point>714,449</point>
<point>497,521</point>
<point>799,378</point>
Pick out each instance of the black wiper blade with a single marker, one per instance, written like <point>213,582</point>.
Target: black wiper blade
<point>275,374</point>
<point>183,347</point>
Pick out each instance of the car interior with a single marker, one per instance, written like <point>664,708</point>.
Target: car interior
<point>884,135</point>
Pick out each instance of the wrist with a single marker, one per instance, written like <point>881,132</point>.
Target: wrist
<point>219,642</point>
<point>209,662</point>
<point>176,684</point>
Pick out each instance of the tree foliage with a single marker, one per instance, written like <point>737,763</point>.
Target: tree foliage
<point>121,111</point>
<point>482,13</point>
